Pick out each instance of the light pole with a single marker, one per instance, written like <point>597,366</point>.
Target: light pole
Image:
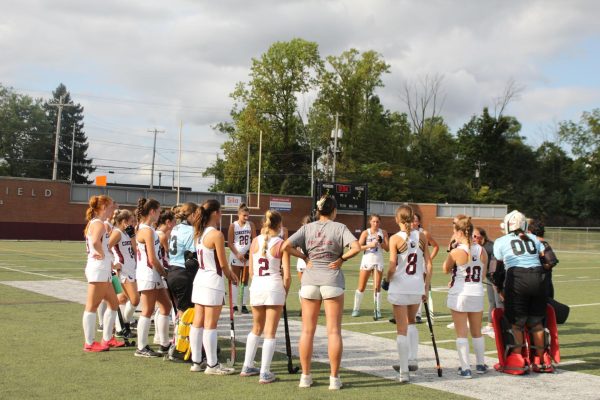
<point>335,134</point>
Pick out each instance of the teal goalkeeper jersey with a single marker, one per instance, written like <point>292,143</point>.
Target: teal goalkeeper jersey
<point>181,240</point>
<point>516,252</point>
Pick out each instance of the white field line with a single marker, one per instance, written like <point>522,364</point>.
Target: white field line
<point>375,355</point>
<point>31,273</point>
<point>571,362</point>
<point>575,280</point>
<point>585,305</point>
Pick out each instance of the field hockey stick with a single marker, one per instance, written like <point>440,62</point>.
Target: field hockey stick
<point>122,321</point>
<point>375,305</point>
<point>288,345</point>
<point>241,287</point>
<point>231,361</point>
<point>437,357</point>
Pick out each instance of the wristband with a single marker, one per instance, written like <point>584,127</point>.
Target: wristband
<point>343,259</point>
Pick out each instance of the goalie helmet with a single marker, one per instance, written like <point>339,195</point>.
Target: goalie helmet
<point>513,221</point>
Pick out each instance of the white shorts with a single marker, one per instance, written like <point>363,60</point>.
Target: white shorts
<point>266,298</point>
<point>399,299</point>
<point>233,260</point>
<point>462,303</point>
<point>312,292</point>
<point>150,285</point>
<point>101,273</point>
<point>371,267</point>
<point>207,296</point>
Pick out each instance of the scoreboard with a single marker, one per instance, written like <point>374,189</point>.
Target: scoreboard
<point>349,196</point>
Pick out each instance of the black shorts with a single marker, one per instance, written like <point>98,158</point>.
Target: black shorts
<point>180,284</point>
<point>524,294</point>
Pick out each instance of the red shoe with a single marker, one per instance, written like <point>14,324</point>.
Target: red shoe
<point>113,343</point>
<point>95,347</point>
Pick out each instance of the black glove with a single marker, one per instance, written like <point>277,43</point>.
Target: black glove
<point>190,254</point>
<point>380,239</point>
<point>385,284</point>
<point>247,256</point>
<point>130,231</point>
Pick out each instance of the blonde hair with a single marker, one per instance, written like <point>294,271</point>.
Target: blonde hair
<point>463,224</point>
<point>272,223</point>
<point>121,215</point>
<point>404,216</point>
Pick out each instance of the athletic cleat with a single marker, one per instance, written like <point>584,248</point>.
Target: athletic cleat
<point>267,377</point>
<point>245,310</point>
<point>218,370</point>
<point>419,320</point>
<point>198,367</point>
<point>335,383</point>
<point>396,367</point>
<point>146,352</point>
<point>487,330</point>
<point>450,325</point>
<point>481,369</point>
<point>100,328</point>
<point>249,371</point>
<point>392,321</point>
<point>164,350</point>
<point>113,342</point>
<point>355,313</point>
<point>413,365</point>
<point>305,381</point>
<point>404,377</point>
<point>95,347</point>
<point>465,374</point>
<point>235,309</point>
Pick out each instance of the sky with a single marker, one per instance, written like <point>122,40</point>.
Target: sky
<point>140,65</point>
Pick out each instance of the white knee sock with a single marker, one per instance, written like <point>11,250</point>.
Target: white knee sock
<point>462,346</point>
<point>246,295</point>
<point>129,310</point>
<point>377,299</point>
<point>358,296</point>
<point>89,326</point>
<point>413,342</point>
<point>234,295</point>
<point>101,311</point>
<point>118,326</point>
<point>162,328</point>
<point>402,345</point>
<point>108,324</point>
<point>209,340</point>
<point>251,347</point>
<point>143,328</point>
<point>267,355</point>
<point>479,347</point>
<point>196,343</point>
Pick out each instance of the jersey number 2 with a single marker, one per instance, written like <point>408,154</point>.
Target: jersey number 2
<point>264,266</point>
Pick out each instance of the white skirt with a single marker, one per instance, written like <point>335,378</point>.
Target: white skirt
<point>150,285</point>
<point>98,272</point>
<point>267,297</point>
<point>462,303</point>
<point>399,299</point>
<point>207,296</point>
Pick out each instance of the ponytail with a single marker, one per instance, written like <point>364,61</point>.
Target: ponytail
<point>144,207</point>
<point>94,207</point>
<point>271,224</point>
<point>404,217</point>
<point>185,210</point>
<point>165,215</point>
<point>202,218</point>
<point>120,215</point>
<point>463,224</point>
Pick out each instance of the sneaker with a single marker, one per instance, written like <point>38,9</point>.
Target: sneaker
<point>146,352</point>
<point>113,342</point>
<point>218,370</point>
<point>198,367</point>
<point>486,330</point>
<point>392,321</point>
<point>164,350</point>
<point>396,367</point>
<point>355,313</point>
<point>235,309</point>
<point>267,377</point>
<point>305,381</point>
<point>335,383</point>
<point>249,371</point>
<point>413,365</point>
<point>481,369</point>
<point>419,320</point>
<point>245,310</point>
<point>404,377</point>
<point>450,325</point>
<point>100,328</point>
<point>95,347</point>
<point>465,374</point>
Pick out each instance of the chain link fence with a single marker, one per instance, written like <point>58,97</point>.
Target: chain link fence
<point>585,240</point>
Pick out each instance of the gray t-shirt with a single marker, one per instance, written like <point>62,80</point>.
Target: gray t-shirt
<point>324,242</point>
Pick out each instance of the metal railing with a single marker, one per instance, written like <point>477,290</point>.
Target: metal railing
<point>579,239</point>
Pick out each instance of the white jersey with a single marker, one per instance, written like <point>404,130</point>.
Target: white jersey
<point>467,278</point>
<point>267,273</point>
<point>144,270</point>
<point>409,275</point>
<point>123,253</point>
<point>242,236</point>
<point>210,273</point>
<point>106,262</point>
<point>373,256</point>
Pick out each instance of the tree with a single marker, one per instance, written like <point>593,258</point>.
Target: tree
<point>72,119</point>
<point>24,136</point>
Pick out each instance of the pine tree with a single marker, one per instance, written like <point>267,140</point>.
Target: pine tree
<point>72,118</point>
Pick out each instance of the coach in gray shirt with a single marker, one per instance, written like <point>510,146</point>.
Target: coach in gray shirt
<point>323,242</point>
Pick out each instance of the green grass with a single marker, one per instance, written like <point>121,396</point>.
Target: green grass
<point>42,355</point>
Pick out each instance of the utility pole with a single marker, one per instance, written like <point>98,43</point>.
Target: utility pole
<point>248,174</point>
<point>159,179</point>
<point>72,153</point>
<point>335,140</point>
<point>173,180</point>
<point>478,166</point>
<point>156,131</point>
<point>60,105</point>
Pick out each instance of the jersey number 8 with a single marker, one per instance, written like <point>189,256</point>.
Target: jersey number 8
<point>411,266</point>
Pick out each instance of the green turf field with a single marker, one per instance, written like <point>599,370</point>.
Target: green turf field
<point>42,356</point>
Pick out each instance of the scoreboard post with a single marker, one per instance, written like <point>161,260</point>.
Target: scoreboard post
<point>349,196</point>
